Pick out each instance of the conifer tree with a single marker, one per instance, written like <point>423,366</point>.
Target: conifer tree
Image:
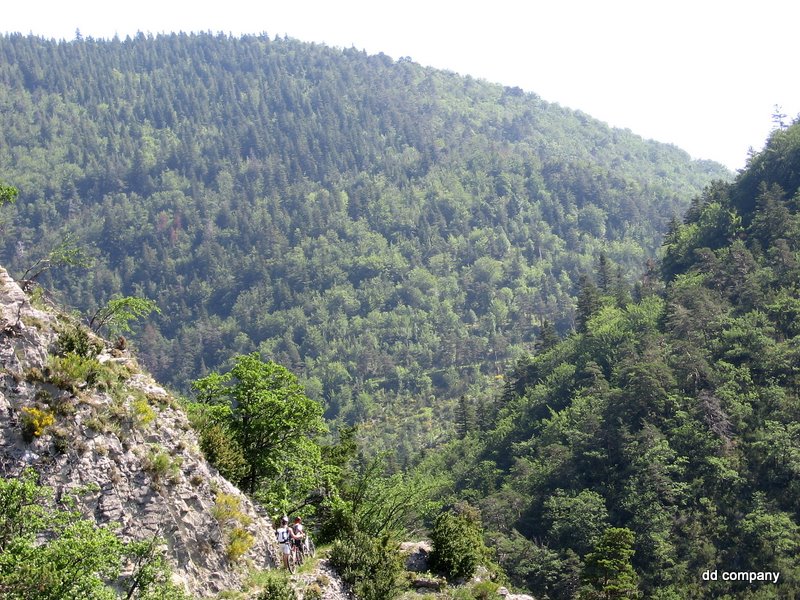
<point>608,572</point>
<point>588,302</point>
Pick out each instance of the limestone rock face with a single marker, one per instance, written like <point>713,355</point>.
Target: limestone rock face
<point>129,439</point>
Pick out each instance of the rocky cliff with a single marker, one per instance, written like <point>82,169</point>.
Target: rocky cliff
<point>80,413</point>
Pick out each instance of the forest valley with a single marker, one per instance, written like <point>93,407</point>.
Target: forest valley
<point>474,284</point>
<point>392,234</point>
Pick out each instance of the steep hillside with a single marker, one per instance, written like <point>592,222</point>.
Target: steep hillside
<point>663,435</point>
<point>82,420</point>
<point>391,232</point>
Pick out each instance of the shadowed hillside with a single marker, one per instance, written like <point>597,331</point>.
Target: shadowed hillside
<point>662,437</point>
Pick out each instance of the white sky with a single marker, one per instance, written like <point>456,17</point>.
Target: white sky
<point>702,74</point>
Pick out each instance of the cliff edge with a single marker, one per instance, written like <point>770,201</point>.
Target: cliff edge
<point>80,412</point>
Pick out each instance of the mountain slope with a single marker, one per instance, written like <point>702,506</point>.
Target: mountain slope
<point>675,417</point>
<point>393,233</point>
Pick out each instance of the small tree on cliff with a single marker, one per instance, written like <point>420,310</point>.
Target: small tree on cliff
<point>115,317</point>
<point>275,424</point>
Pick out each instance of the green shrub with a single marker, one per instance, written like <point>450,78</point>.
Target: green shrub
<point>457,542</point>
<point>228,507</point>
<point>69,371</point>
<point>228,513</point>
<point>338,519</point>
<point>49,551</point>
<point>277,587</point>
<point>61,440</point>
<point>110,376</point>
<point>485,590</point>
<point>222,451</point>
<point>143,413</point>
<point>313,592</point>
<point>374,568</point>
<point>159,464</point>
<point>76,340</point>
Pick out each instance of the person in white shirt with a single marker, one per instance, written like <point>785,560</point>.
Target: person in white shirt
<point>285,535</point>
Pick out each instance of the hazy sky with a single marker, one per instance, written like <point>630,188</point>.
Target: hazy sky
<point>702,74</point>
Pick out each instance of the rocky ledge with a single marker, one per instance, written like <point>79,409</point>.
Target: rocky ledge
<point>125,437</point>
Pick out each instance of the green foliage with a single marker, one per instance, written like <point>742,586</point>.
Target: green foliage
<point>575,521</point>
<point>70,371</point>
<point>239,543</point>
<point>277,587</point>
<point>116,315</point>
<point>73,565</point>
<point>233,522</point>
<point>608,571</point>
<point>50,552</point>
<point>73,339</point>
<point>73,372</point>
<point>228,508</point>
<point>21,508</point>
<point>158,463</point>
<point>365,517</point>
<point>143,413</point>
<point>66,253</point>
<point>8,194</point>
<point>161,466</point>
<point>151,576</point>
<point>371,565</point>
<point>672,418</point>
<point>272,422</point>
<point>457,543</point>
<point>221,450</point>
<point>485,590</point>
<point>375,504</point>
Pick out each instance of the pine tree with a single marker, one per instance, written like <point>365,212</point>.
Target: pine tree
<point>608,572</point>
<point>466,416</point>
<point>588,302</point>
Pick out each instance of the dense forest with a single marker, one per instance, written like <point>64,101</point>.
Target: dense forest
<point>671,422</point>
<point>396,235</point>
<point>393,234</point>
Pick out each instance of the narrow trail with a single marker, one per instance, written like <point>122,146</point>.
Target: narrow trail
<point>323,575</point>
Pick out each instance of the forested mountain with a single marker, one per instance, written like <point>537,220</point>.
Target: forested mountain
<point>671,422</point>
<point>392,233</point>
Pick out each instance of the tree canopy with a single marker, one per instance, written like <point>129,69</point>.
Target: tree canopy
<point>276,427</point>
<point>660,439</point>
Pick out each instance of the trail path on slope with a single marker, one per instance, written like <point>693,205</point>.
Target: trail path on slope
<point>333,588</point>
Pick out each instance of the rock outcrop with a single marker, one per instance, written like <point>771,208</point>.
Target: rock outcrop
<point>119,431</point>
